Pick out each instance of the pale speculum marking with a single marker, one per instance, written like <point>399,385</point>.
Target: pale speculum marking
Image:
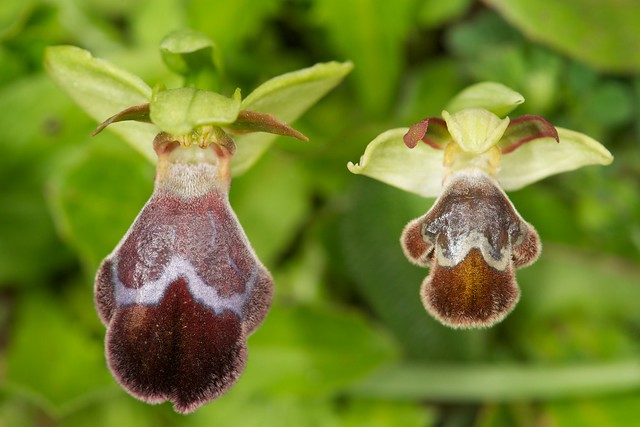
<point>152,292</point>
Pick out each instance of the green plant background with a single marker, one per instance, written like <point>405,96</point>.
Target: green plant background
<point>347,342</point>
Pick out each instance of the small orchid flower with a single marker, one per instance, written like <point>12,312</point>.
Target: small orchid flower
<point>183,289</point>
<point>473,239</point>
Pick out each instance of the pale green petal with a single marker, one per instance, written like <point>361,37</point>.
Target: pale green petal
<point>418,170</point>
<point>286,97</point>
<point>474,129</point>
<point>102,90</point>
<point>543,157</point>
<point>495,97</point>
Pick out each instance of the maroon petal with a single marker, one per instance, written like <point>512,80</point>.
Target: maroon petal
<point>524,129</point>
<point>432,131</point>
<point>415,247</point>
<point>252,121</point>
<point>139,113</point>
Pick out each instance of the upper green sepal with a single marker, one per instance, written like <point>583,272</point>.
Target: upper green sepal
<point>193,55</point>
<point>179,111</point>
<point>490,96</point>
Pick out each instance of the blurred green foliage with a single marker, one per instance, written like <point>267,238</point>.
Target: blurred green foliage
<point>347,342</point>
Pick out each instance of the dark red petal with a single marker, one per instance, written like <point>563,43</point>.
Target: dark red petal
<point>103,292</point>
<point>471,294</point>
<point>179,350</point>
<point>252,121</point>
<point>414,246</point>
<point>139,113</point>
<point>526,252</point>
<point>432,131</point>
<point>524,129</point>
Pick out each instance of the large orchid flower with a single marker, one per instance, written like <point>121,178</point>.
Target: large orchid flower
<point>183,289</point>
<point>473,239</point>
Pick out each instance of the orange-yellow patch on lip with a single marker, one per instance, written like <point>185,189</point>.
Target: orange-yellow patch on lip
<point>470,294</point>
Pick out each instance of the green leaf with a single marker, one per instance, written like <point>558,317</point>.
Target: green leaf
<point>75,366</point>
<point>194,56</point>
<point>13,15</point>
<point>102,90</point>
<point>387,159</point>
<point>179,111</point>
<point>383,413</point>
<point>258,199</point>
<point>618,411</point>
<point>605,36</point>
<point>286,97</point>
<point>38,123</point>
<point>230,23</point>
<point>543,157</point>
<point>495,97</point>
<point>499,382</point>
<point>117,409</point>
<point>434,13</point>
<point>298,352</point>
<point>371,33</point>
<point>96,196</point>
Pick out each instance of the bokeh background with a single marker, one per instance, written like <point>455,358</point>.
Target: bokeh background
<point>347,342</point>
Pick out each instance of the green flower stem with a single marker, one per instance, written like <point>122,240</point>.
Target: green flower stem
<point>499,382</point>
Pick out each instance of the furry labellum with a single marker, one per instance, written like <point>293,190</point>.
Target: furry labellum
<point>472,239</point>
<point>183,289</point>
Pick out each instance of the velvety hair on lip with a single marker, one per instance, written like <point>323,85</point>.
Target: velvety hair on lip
<point>472,239</point>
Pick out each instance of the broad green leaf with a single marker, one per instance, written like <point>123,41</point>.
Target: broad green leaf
<point>286,97</point>
<point>117,409</point>
<point>618,411</point>
<point>372,34</point>
<point>434,13</point>
<point>495,97</point>
<point>387,158</point>
<point>543,157</point>
<point>230,23</point>
<point>51,357</point>
<point>605,35</point>
<point>96,196</point>
<point>32,108</point>
<point>102,90</point>
<point>234,410</point>
<point>258,199</point>
<point>298,351</point>
<point>499,382</point>
<point>179,111</point>
<point>13,15</point>
<point>383,413</point>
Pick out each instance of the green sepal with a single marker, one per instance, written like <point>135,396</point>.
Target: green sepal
<point>495,97</point>
<point>180,111</point>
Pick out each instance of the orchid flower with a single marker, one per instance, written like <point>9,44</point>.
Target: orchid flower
<point>473,238</point>
<point>182,291</point>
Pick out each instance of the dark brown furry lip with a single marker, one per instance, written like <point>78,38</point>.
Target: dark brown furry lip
<point>472,239</point>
